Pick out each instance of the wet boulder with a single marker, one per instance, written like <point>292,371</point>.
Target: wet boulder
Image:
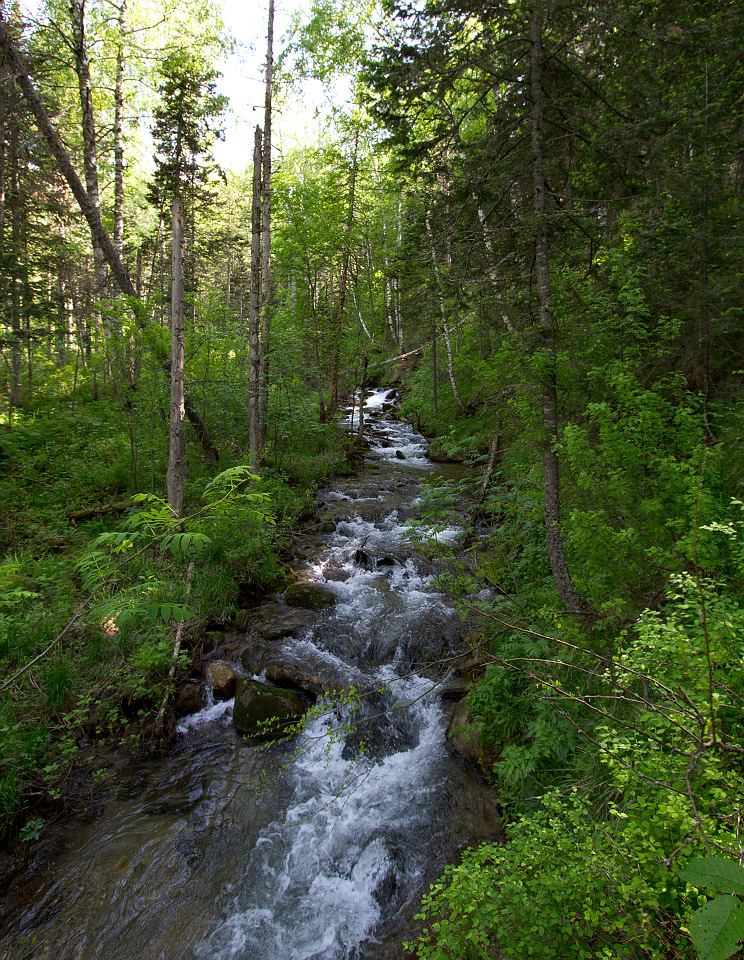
<point>310,596</point>
<point>262,710</point>
<point>295,675</point>
<point>188,698</point>
<point>387,560</point>
<point>464,737</point>
<point>336,574</point>
<point>454,688</point>
<point>400,455</point>
<point>222,678</point>
<point>364,559</point>
<point>285,625</point>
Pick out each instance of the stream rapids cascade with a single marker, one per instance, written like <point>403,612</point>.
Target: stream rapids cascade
<point>314,849</point>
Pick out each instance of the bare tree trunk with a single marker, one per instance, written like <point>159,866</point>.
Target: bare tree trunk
<point>176,434</point>
<point>491,262</point>
<point>443,310</point>
<point>434,367</point>
<point>254,358</point>
<point>359,312</point>
<point>15,277</point>
<point>492,458</point>
<point>119,136</point>
<point>3,157</point>
<point>388,299</point>
<point>90,162</point>
<point>91,212</point>
<point>340,302</point>
<point>574,602</point>
<point>266,240</point>
<point>63,318</point>
<point>363,394</point>
<point>396,283</point>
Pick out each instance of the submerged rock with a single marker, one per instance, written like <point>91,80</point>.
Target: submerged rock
<point>464,737</point>
<point>257,704</point>
<point>222,678</point>
<point>311,596</point>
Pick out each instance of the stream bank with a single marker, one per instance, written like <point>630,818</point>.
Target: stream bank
<point>314,849</point>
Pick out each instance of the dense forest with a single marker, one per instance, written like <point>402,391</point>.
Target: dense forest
<point>526,216</point>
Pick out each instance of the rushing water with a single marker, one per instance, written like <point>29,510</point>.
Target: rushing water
<point>317,849</point>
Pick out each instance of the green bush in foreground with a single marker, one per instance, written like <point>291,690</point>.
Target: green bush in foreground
<point>565,885</point>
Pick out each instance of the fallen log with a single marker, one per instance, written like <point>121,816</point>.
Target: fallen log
<point>91,512</point>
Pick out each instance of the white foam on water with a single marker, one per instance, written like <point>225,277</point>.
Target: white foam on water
<point>212,713</point>
<point>316,874</point>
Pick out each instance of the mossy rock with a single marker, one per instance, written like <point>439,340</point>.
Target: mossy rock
<point>311,596</point>
<point>258,704</point>
<point>222,677</point>
<point>464,737</point>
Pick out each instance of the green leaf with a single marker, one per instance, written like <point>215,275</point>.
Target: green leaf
<point>718,873</point>
<point>717,928</point>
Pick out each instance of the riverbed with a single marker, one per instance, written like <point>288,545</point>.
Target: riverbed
<point>318,848</point>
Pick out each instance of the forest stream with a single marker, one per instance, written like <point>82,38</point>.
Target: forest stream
<point>306,850</point>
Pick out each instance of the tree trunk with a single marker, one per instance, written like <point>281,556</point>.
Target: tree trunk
<point>90,161</point>
<point>492,458</point>
<point>340,301</point>
<point>16,346</point>
<point>119,136</point>
<point>574,602</point>
<point>443,310</point>
<point>396,282</point>
<point>493,274</point>
<point>254,358</point>
<point>92,214</point>
<point>176,436</point>
<point>363,394</point>
<point>266,240</point>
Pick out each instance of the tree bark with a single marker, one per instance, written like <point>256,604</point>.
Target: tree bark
<point>15,277</point>
<point>443,310</point>
<point>176,436</point>
<point>254,358</point>
<point>266,240</point>
<point>339,304</point>
<point>574,602</point>
<point>119,136</point>
<point>90,160</point>
<point>396,279</point>
<point>12,58</point>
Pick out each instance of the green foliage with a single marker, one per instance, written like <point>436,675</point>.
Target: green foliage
<point>717,928</point>
<point>564,884</point>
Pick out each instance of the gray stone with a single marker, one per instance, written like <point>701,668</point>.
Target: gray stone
<point>311,596</point>
<point>293,675</point>
<point>336,573</point>
<point>285,625</point>
<point>464,737</point>
<point>188,698</point>
<point>454,688</point>
<point>263,710</point>
<point>222,678</point>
